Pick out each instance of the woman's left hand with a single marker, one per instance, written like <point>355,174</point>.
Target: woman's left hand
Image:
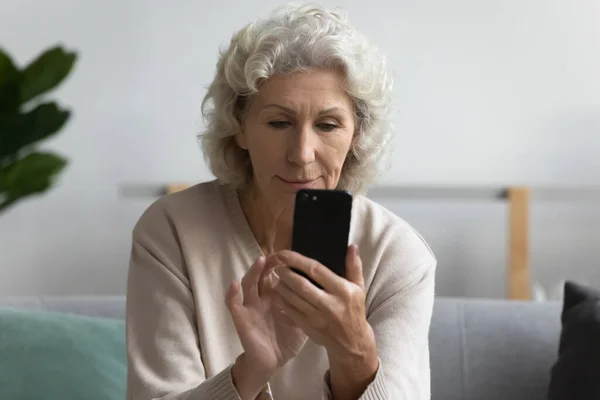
<point>335,316</point>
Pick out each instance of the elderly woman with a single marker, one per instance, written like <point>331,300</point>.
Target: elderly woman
<point>300,100</point>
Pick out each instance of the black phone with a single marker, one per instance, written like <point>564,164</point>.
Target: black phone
<point>322,227</point>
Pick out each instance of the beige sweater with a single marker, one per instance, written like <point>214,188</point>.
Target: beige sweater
<point>187,249</point>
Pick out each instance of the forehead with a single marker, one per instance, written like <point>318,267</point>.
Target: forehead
<point>320,88</point>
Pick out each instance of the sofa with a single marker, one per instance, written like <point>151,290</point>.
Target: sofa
<point>481,349</point>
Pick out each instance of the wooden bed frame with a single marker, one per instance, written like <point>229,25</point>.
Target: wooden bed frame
<point>518,276</point>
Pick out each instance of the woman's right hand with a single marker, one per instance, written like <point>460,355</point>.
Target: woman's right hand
<point>269,338</point>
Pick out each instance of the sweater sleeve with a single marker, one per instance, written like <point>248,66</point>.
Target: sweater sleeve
<point>377,390</point>
<point>163,357</point>
<point>400,301</point>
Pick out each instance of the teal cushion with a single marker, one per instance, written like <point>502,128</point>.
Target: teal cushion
<point>51,356</point>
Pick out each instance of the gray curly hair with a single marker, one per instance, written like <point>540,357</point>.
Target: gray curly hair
<point>292,39</point>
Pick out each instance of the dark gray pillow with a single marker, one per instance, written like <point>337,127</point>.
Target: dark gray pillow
<point>576,373</point>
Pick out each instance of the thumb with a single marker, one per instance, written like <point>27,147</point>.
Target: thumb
<point>354,270</point>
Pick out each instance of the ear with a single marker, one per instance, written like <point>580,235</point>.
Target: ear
<point>240,139</point>
<point>241,110</point>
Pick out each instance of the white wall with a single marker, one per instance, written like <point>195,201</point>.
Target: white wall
<point>488,93</point>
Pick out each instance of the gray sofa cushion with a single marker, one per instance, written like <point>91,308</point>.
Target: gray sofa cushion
<point>493,349</point>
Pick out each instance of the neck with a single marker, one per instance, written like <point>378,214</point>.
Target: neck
<point>270,222</point>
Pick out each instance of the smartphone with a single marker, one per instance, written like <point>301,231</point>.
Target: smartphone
<point>322,227</point>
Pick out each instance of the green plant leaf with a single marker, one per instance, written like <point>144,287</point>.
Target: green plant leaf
<point>46,72</point>
<point>10,79</point>
<point>33,174</point>
<point>26,129</point>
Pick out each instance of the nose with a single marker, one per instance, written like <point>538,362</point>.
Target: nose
<point>301,148</point>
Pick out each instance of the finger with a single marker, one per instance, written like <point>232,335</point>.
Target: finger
<point>268,283</point>
<point>250,280</point>
<point>268,278</point>
<point>232,298</point>
<point>294,315</point>
<point>354,270</point>
<point>302,288</point>
<point>328,279</point>
<point>299,303</point>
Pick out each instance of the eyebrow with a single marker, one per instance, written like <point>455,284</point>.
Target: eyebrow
<point>291,111</point>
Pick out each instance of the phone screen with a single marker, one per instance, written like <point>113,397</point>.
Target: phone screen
<point>322,226</point>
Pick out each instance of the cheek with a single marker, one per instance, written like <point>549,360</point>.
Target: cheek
<point>337,152</point>
<point>265,150</point>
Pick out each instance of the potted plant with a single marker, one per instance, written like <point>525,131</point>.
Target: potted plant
<point>26,119</point>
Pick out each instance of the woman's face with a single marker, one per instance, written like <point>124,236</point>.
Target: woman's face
<point>298,130</point>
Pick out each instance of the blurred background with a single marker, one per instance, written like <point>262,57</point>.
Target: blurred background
<point>489,94</point>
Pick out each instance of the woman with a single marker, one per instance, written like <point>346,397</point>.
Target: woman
<point>300,100</point>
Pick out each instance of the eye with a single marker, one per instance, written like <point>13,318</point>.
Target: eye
<point>326,127</point>
<point>279,124</point>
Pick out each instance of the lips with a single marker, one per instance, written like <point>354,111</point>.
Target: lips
<point>299,181</point>
<point>297,184</point>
